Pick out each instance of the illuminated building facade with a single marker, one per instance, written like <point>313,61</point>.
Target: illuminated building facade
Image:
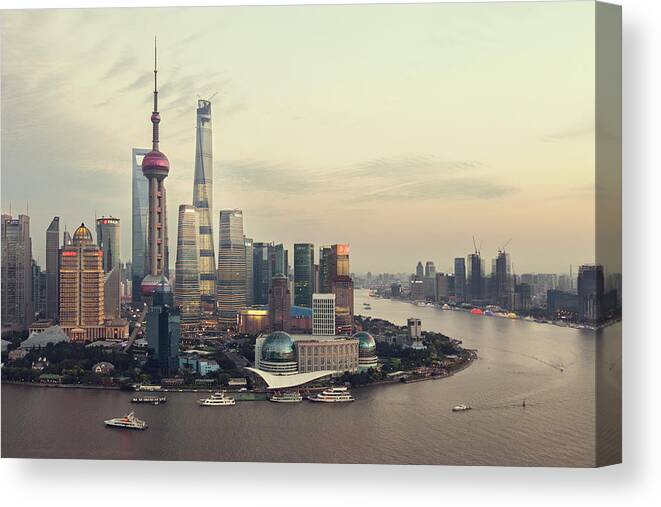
<point>82,282</point>
<point>323,314</point>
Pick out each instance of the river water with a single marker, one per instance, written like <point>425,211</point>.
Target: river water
<point>552,368</point>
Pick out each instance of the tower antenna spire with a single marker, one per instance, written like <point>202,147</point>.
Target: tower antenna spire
<point>155,116</point>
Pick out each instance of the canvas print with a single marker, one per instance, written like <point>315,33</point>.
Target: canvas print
<point>384,234</point>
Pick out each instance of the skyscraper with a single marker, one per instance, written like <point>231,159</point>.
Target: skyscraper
<point>155,167</point>
<point>325,253</point>
<point>231,278</point>
<point>16,301</point>
<point>203,201</point>
<point>107,237</point>
<point>303,274</point>
<point>139,224</point>
<point>112,293</point>
<point>590,293</point>
<point>341,285</point>
<point>460,279</point>
<point>261,273</point>
<point>420,271</point>
<point>187,268</point>
<point>82,282</point>
<point>281,261</point>
<point>501,275</point>
<point>52,267</point>
<point>323,314</point>
<point>429,282</point>
<point>164,330</point>
<point>250,289</point>
<point>279,303</point>
<point>475,277</point>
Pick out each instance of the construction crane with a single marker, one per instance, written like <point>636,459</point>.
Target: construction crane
<point>502,248</point>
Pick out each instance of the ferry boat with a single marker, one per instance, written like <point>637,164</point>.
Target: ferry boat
<point>286,397</point>
<point>462,407</point>
<point>217,400</point>
<point>332,395</point>
<point>154,400</point>
<point>129,421</point>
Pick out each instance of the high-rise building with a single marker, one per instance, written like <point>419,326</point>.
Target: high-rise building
<point>323,314</point>
<point>262,273</point>
<point>339,262</point>
<point>303,274</point>
<point>590,293</point>
<point>52,267</point>
<point>429,281</point>
<point>281,260</point>
<point>156,167</point>
<point>342,288</point>
<point>444,286</point>
<point>250,277</point>
<point>420,270</point>
<point>231,278</point>
<point>112,293</point>
<point>203,201</point>
<point>460,279</point>
<point>82,282</point>
<point>187,268</point>
<point>108,237</point>
<point>501,275</point>
<point>16,304</point>
<point>139,223</point>
<point>279,303</point>
<point>164,330</point>
<point>38,290</point>
<point>325,253</point>
<point>475,277</point>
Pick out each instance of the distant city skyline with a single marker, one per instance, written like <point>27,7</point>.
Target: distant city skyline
<point>473,120</point>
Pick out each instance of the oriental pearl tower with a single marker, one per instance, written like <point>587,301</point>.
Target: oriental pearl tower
<point>155,167</point>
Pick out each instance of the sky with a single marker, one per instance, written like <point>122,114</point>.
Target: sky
<point>403,130</point>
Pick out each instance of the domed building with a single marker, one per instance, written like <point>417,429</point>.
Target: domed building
<point>82,236</point>
<point>366,351</point>
<point>278,355</point>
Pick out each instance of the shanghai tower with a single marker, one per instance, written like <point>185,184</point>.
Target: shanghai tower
<point>155,167</point>
<point>203,200</point>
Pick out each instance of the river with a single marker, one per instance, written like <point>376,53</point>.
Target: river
<point>551,367</point>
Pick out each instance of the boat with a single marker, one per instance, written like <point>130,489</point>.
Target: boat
<point>286,397</point>
<point>332,395</point>
<point>462,407</point>
<point>446,306</point>
<point>129,421</point>
<point>367,306</point>
<point>217,400</point>
<point>154,400</point>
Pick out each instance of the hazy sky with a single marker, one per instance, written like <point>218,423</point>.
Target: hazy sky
<point>400,129</point>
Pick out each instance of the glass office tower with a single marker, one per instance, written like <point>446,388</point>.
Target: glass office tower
<point>140,215</point>
<point>187,268</point>
<point>231,278</point>
<point>203,201</point>
<point>303,274</point>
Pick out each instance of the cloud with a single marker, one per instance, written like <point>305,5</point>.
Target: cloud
<point>263,176</point>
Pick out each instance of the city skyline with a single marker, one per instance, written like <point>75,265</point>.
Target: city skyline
<point>449,189</point>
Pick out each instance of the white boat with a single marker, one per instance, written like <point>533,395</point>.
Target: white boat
<point>332,395</point>
<point>367,306</point>
<point>129,421</point>
<point>286,397</point>
<point>217,400</point>
<point>462,407</point>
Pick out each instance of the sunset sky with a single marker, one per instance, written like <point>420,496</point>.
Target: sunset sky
<point>403,130</point>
